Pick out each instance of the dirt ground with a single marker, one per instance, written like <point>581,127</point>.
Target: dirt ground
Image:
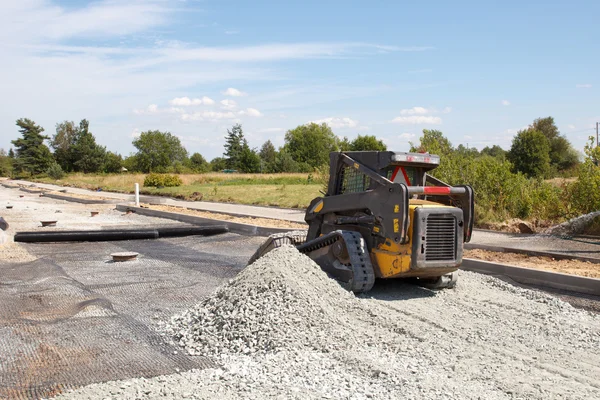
<point>267,222</point>
<point>574,267</point>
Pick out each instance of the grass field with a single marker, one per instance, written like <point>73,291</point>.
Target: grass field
<point>283,190</point>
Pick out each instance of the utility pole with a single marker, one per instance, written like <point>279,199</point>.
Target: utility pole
<point>596,134</point>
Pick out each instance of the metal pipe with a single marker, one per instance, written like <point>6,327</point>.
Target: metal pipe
<point>137,194</point>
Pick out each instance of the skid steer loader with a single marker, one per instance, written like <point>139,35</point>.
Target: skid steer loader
<point>384,216</point>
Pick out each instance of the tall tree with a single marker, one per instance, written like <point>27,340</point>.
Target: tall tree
<point>158,150</point>
<point>32,155</point>
<point>87,155</point>
<point>366,143</point>
<point>562,154</point>
<point>433,142</point>
<point>311,144</point>
<point>267,152</point>
<point>234,144</point>
<point>61,142</point>
<point>529,153</point>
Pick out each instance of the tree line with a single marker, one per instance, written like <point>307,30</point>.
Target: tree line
<point>74,149</point>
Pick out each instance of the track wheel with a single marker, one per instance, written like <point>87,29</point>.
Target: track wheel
<point>447,281</point>
<point>359,261</point>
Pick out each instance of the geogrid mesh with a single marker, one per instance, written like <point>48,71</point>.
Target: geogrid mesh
<point>73,317</point>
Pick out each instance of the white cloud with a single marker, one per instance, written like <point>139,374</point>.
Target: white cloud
<point>407,136</point>
<point>251,112</point>
<point>228,104</point>
<point>571,127</point>
<point>271,130</point>
<point>583,85</point>
<point>447,110</point>
<point>467,137</point>
<point>186,101</point>
<point>234,92</point>
<point>415,111</point>
<point>135,133</point>
<point>207,115</point>
<point>505,103</point>
<point>154,109</point>
<point>418,120</point>
<point>232,32</point>
<point>335,122</point>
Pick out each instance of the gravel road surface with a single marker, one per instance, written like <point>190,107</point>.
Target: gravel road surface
<point>282,329</point>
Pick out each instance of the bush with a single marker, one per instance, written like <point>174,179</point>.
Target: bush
<point>157,180</point>
<point>54,171</point>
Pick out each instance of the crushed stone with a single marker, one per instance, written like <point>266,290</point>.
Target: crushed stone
<point>282,329</point>
<point>573,226</point>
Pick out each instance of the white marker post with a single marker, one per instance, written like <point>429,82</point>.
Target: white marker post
<point>137,194</point>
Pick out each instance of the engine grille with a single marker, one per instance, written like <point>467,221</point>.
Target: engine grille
<point>440,243</point>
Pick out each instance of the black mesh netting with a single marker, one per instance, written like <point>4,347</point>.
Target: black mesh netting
<point>73,317</point>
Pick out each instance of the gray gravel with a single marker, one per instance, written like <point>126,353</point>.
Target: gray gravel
<point>282,329</point>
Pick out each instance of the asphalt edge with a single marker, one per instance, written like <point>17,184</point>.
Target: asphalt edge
<point>529,276</point>
<point>235,227</point>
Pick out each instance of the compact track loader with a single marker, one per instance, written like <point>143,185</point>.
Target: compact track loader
<point>384,216</point>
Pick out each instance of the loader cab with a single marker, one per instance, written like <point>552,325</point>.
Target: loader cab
<point>410,168</point>
<point>399,167</point>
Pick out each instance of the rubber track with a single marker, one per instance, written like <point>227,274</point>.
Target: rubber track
<point>360,263</point>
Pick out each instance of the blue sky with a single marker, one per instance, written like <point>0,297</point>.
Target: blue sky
<point>477,70</point>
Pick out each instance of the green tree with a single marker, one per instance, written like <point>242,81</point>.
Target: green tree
<point>311,144</point>
<point>5,164</point>
<point>464,151</point>
<point>87,155</point>
<point>562,155</point>
<point>344,144</point>
<point>158,150</point>
<point>199,163</point>
<point>433,142</point>
<point>284,162</point>
<point>11,153</point>
<point>32,156</point>
<point>367,142</point>
<point>249,160</point>
<point>218,164</point>
<point>61,143</point>
<point>494,151</point>
<point>268,152</point>
<point>529,153</point>
<point>234,144</point>
<point>113,163</point>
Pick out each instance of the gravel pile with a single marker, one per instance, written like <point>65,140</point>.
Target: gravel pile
<point>281,329</point>
<point>573,226</point>
<point>279,302</point>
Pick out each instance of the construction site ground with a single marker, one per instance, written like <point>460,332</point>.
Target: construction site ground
<point>571,246</point>
<point>69,317</point>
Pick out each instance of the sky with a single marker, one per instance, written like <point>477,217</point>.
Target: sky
<point>479,71</point>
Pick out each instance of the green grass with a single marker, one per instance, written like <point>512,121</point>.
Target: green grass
<point>282,190</point>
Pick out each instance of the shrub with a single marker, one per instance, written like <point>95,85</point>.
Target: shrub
<point>157,180</point>
<point>54,171</point>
